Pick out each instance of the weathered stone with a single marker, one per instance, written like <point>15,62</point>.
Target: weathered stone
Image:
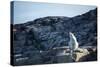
<point>38,40</point>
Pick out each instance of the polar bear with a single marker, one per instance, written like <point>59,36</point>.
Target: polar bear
<point>73,43</point>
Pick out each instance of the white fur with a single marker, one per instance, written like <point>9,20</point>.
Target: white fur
<point>73,44</point>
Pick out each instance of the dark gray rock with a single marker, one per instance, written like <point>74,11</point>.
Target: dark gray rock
<point>46,33</point>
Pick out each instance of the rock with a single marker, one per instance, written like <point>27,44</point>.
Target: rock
<point>92,56</point>
<point>53,31</point>
<point>47,33</point>
<point>85,54</point>
<point>80,53</point>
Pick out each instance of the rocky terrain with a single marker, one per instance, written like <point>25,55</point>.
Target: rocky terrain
<point>34,41</point>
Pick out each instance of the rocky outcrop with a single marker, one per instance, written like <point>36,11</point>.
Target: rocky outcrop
<point>56,55</point>
<point>46,33</point>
